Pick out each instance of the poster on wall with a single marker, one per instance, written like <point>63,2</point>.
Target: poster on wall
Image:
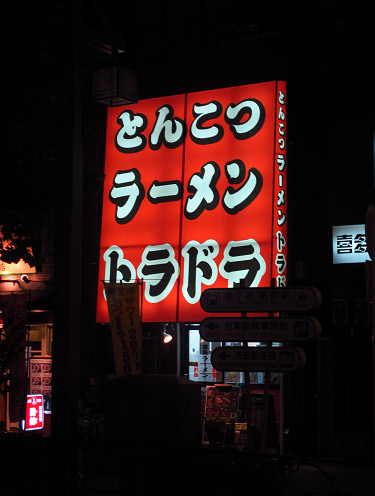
<point>195,197</point>
<point>41,376</point>
<point>126,331</point>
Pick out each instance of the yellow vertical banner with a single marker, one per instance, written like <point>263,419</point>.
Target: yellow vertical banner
<point>126,330</point>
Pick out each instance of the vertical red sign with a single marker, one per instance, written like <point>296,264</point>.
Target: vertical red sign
<point>279,213</point>
<point>34,412</point>
<point>194,197</point>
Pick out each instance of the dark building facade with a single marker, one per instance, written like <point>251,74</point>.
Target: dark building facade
<point>324,53</point>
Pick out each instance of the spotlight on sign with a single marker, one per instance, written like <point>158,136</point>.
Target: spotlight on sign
<point>167,338</point>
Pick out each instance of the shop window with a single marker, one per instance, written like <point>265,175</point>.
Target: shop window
<point>200,368</point>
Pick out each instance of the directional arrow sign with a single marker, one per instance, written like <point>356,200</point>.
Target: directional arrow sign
<point>257,358</point>
<point>231,300</point>
<point>259,329</point>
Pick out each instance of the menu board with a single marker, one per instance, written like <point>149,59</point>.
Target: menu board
<point>221,407</point>
<point>41,376</point>
<point>221,403</point>
<point>225,417</point>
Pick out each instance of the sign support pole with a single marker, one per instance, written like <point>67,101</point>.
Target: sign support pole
<point>370,239</point>
<point>223,372</point>
<point>249,427</point>
<point>266,397</point>
<point>266,404</point>
<point>273,301</point>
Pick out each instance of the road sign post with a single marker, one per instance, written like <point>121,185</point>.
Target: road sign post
<point>263,329</point>
<point>260,300</point>
<point>275,359</point>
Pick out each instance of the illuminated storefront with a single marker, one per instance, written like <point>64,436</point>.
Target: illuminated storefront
<point>26,333</point>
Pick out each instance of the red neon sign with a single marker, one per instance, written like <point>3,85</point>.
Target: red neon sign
<point>34,412</point>
<point>195,197</point>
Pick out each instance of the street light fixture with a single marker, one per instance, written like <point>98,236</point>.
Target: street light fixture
<point>114,86</point>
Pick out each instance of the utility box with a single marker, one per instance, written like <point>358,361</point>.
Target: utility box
<point>156,410</point>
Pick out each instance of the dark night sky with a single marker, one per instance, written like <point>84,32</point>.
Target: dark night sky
<point>323,51</point>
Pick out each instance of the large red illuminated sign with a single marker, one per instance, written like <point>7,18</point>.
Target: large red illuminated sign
<point>195,197</point>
